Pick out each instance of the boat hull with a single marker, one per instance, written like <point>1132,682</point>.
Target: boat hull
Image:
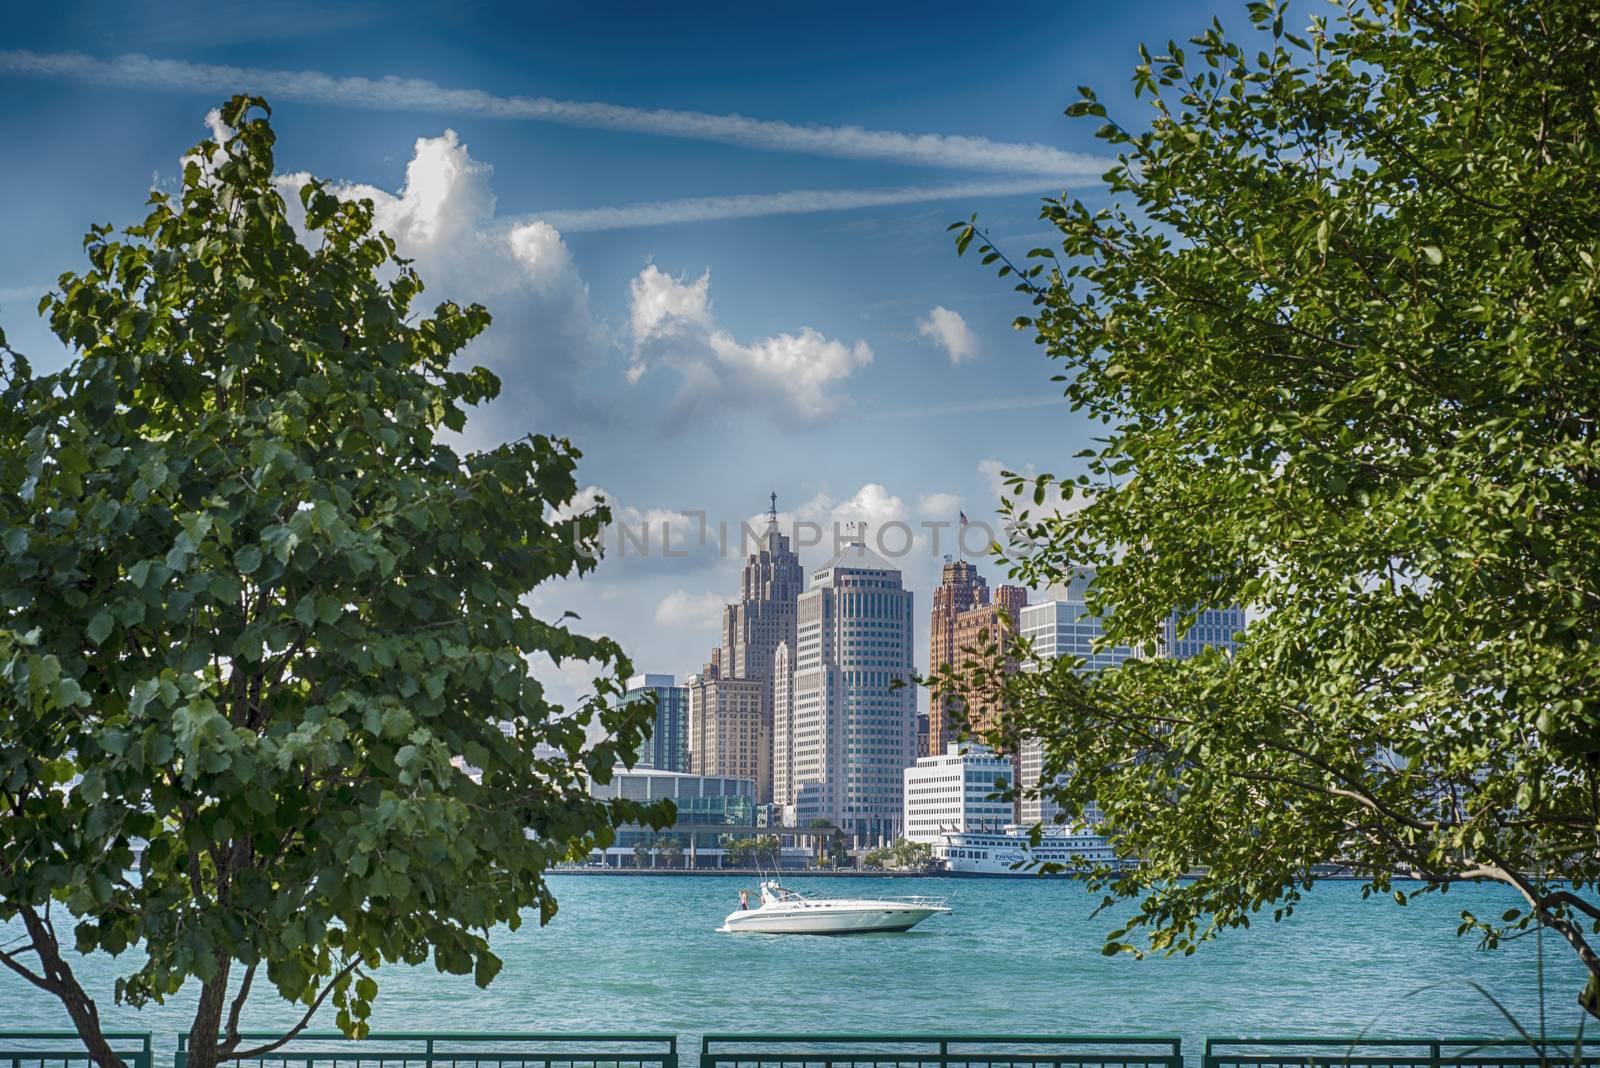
<point>826,921</point>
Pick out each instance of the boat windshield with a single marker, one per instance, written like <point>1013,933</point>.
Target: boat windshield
<point>772,893</point>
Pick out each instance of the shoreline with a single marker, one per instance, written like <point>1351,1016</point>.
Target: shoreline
<point>807,873</point>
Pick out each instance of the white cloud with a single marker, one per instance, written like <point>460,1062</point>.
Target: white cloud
<point>543,333</point>
<point>789,376</point>
<point>950,332</point>
<point>793,202</point>
<point>1055,503</point>
<point>412,94</point>
<point>697,611</point>
<point>938,506</point>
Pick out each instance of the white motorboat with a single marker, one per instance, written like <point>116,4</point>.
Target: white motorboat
<point>784,911</point>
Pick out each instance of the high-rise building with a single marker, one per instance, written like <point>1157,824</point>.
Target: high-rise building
<point>754,626</point>
<point>965,621</point>
<point>960,588</point>
<point>668,747</point>
<point>1065,627</point>
<point>953,792</point>
<point>1214,627</point>
<point>725,727</point>
<point>853,707</point>
<point>977,629</point>
<point>783,725</point>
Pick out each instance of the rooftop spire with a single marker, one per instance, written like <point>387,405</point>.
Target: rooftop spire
<point>772,513</point>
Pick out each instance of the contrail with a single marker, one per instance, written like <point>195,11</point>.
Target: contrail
<point>412,94</point>
<point>795,202</point>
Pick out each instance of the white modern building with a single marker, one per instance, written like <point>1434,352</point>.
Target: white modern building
<point>1066,627</point>
<point>952,792</point>
<point>853,717</point>
<point>1055,629</point>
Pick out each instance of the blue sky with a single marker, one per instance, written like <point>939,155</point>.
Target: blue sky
<point>701,354</point>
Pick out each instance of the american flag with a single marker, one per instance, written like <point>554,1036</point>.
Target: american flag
<point>963,518</point>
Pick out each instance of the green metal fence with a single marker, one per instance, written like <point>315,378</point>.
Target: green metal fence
<point>939,1051</point>
<point>1361,1052</point>
<point>505,1050</point>
<point>64,1049</point>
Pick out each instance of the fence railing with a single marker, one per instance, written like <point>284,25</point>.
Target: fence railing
<point>503,1050</point>
<point>940,1051</point>
<point>1361,1052</point>
<point>64,1049</point>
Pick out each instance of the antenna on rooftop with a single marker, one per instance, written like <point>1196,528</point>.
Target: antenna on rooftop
<point>772,512</point>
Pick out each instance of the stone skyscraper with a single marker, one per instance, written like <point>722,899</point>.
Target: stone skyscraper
<point>725,730</point>
<point>753,627</point>
<point>964,620</point>
<point>853,730</point>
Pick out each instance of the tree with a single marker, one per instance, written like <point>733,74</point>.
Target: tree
<point>254,607</point>
<point>1338,323</point>
<point>670,850</point>
<point>902,855</point>
<point>757,851</point>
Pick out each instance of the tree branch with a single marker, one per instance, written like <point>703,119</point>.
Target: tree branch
<point>262,1051</point>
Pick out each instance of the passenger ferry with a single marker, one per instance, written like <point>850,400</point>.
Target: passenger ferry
<point>1008,852</point>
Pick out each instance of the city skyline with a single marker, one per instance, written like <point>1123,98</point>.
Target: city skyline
<point>722,251</point>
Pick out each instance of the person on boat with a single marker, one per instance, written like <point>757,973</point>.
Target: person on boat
<point>744,900</point>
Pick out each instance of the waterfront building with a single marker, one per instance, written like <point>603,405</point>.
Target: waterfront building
<point>754,626</point>
<point>952,792</point>
<point>668,747</point>
<point>853,711</point>
<point>726,735</point>
<point>713,811</point>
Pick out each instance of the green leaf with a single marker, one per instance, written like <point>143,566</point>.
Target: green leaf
<point>100,625</point>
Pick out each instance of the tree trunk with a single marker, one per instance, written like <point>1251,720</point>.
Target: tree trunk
<point>206,1029</point>
<point>59,980</point>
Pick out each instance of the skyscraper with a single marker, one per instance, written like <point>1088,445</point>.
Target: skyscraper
<point>853,728</point>
<point>783,724</point>
<point>757,623</point>
<point>725,729</point>
<point>964,622</point>
<point>668,748</point>
<point>1065,627</point>
<point>960,588</point>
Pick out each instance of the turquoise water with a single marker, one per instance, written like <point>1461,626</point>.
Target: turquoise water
<point>642,954</point>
